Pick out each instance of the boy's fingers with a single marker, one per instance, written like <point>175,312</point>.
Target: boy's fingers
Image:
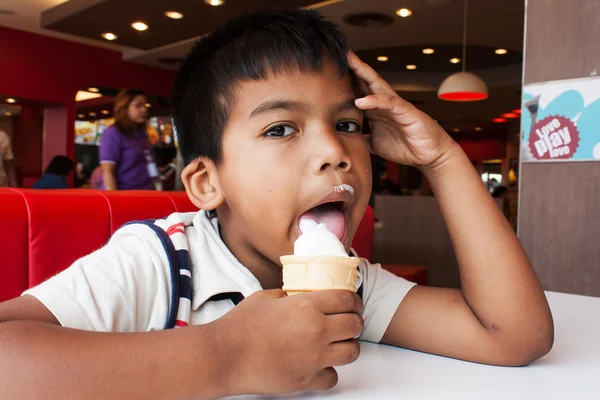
<point>374,82</point>
<point>393,103</point>
<point>336,301</point>
<point>326,379</point>
<point>342,353</point>
<point>341,327</point>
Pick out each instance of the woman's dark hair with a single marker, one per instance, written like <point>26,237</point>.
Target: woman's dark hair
<point>121,111</point>
<point>248,48</point>
<point>60,165</point>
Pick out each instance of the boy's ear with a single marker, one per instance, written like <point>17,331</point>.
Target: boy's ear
<point>202,184</point>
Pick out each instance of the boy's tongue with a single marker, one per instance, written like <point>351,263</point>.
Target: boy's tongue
<point>329,215</point>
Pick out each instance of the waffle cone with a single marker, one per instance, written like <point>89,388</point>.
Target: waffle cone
<point>305,274</point>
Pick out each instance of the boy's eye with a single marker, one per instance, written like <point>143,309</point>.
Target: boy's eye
<point>280,131</point>
<point>348,126</point>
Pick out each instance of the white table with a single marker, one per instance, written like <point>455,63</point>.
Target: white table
<point>571,371</point>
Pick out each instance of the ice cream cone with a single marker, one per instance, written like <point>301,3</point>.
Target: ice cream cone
<point>305,274</point>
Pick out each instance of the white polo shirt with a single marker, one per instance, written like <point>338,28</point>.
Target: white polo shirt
<point>126,286</point>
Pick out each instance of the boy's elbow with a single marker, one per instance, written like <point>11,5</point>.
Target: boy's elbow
<point>532,345</point>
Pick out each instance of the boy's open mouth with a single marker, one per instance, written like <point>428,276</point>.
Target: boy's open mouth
<point>332,214</point>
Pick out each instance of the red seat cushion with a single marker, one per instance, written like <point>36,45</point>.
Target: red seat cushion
<point>181,202</point>
<point>64,225</point>
<point>13,245</point>
<point>129,205</point>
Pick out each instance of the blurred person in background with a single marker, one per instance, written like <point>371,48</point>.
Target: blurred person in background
<point>7,167</point>
<point>56,173</point>
<point>125,153</point>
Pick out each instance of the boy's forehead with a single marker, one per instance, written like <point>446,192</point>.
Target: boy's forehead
<point>327,85</point>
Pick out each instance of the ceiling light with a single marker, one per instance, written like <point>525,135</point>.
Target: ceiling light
<point>92,114</point>
<point>139,26</point>
<point>455,60</point>
<point>463,86</point>
<point>214,2</point>
<point>93,90</point>
<point>477,128</point>
<point>105,112</point>
<point>428,51</point>
<point>8,113</point>
<point>404,12</point>
<point>499,120</point>
<point>510,115</point>
<point>85,95</point>
<point>11,100</point>
<point>80,116</point>
<point>411,66</point>
<point>109,36</point>
<point>148,105</point>
<point>174,14</point>
<point>382,58</point>
<point>456,130</point>
<point>517,111</point>
<point>501,51</point>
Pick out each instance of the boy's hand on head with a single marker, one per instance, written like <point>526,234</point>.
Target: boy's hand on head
<point>399,131</point>
<point>277,344</point>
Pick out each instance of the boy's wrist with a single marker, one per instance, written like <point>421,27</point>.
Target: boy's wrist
<point>450,152</point>
<point>228,351</point>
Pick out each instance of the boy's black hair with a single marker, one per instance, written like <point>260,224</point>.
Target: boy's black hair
<point>246,48</point>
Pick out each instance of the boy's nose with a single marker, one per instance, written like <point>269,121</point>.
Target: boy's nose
<point>331,154</point>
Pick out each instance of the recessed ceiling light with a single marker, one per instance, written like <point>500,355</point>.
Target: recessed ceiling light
<point>517,111</point>
<point>109,36</point>
<point>411,66</point>
<point>501,51</point>
<point>510,115</point>
<point>8,113</point>
<point>93,90</point>
<point>148,105</point>
<point>215,2</point>
<point>139,26</point>
<point>499,120</point>
<point>105,112</point>
<point>382,58</point>
<point>92,114</point>
<point>11,100</point>
<point>477,128</point>
<point>80,116</point>
<point>428,51</point>
<point>174,14</point>
<point>455,60</point>
<point>404,12</point>
<point>456,130</point>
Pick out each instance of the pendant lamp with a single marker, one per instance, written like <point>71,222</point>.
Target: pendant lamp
<point>463,86</point>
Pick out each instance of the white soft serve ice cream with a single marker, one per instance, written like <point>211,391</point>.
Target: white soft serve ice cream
<point>317,240</point>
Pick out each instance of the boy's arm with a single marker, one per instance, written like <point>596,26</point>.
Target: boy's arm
<point>268,344</point>
<point>501,316</point>
<point>42,360</point>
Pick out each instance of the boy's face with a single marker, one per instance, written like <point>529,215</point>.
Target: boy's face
<point>290,142</point>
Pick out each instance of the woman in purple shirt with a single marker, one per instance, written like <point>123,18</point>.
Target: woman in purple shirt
<point>125,154</point>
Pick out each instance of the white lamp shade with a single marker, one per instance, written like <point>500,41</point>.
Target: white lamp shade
<point>463,86</point>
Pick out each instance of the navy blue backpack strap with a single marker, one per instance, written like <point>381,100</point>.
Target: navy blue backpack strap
<point>174,266</point>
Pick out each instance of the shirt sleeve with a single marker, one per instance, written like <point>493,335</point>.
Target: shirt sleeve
<point>5,147</point>
<point>110,146</point>
<point>382,293</point>
<point>123,287</point>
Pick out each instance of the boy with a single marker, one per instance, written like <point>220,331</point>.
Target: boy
<point>269,122</point>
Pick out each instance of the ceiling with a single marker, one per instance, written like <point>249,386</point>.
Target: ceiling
<point>434,24</point>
